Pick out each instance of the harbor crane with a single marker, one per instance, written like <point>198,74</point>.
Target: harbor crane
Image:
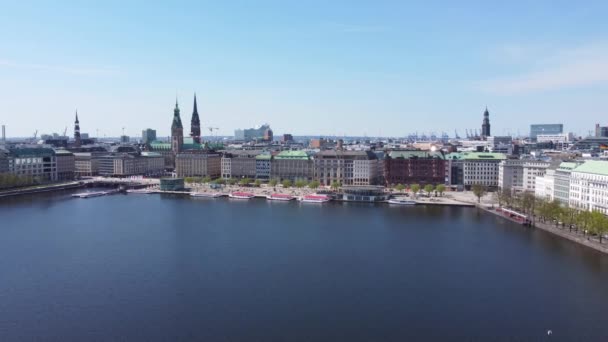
<point>211,129</point>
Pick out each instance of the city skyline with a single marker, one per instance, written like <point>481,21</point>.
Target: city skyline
<point>317,69</point>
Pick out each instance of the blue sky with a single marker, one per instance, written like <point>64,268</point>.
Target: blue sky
<point>305,67</point>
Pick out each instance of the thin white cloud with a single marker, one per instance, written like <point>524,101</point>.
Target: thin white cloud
<point>59,68</point>
<point>565,68</point>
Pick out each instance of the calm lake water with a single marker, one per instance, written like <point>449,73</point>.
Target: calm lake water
<point>146,267</point>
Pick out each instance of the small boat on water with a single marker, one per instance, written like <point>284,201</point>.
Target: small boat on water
<point>89,194</point>
<point>241,195</point>
<point>280,197</point>
<point>205,194</point>
<point>315,199</point>
<point>140,191</point>
<point>401,201</point>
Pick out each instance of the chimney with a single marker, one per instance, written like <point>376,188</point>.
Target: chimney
<point>3,134</point>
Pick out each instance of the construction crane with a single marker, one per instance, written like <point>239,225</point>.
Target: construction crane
<point>211,129</point>
<point>35,135</point>
<point>65,131</point>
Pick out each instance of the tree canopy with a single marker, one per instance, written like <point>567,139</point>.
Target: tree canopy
<point>479,191</point>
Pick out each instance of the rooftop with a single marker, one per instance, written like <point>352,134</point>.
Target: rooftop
<point>346,154</point>
<point>292,155</point>
<point>567,166</point>
<point>476,156</point>
<point>31,152</point>
<point>593,166</point>
<point>417,154</point>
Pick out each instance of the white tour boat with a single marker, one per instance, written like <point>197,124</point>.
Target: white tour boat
<point>315,199</point>
<point>280,197</point>
<point>89,194</point>
<point>401,201</point>
<point>140,191</point>
<point>241,195</point>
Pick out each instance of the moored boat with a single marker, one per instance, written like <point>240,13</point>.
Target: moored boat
<point>204,194</point>
<point>140,191</point>
<point>89,194</point>
<point>401,201</point>
<point>241,195</point>
<point>315,199</point>
<point>280,197</point>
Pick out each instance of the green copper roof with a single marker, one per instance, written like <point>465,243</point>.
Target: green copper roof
<point>177,121</point>
<point>193,146</point>
<point>593,166</point>
<point>567,165</point>
<point>159,145</point>
<point>292,155</point>
<point>264,156</point>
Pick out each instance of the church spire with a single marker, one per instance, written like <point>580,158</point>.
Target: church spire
<point>77,140</point>
<point>195,124</point>
<point>177,131</point>
<point>485,126</point>
<point>177,120</point>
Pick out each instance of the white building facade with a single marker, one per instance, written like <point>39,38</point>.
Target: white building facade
<point>544,187</point>
<point>520,175</point>
<point>589,186</point>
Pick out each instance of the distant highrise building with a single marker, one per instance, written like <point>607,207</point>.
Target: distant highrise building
<point>148,135</point>
<point>485,126</point>
<point>601,131</point>
<point>195,124</point>
<point>251,134</point>
<point>287,138</point>
<point>77,140</point>
<point>545,129</point>
<point>268,135</point>
<point>177,131</point>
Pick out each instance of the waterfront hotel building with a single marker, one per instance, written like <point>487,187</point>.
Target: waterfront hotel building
<point>589,186</point>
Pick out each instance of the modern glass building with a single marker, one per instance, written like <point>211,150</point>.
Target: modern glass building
<point>171,184</point>
<point>544,129</point>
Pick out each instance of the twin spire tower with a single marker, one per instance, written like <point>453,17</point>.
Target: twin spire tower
<point>177,129</point>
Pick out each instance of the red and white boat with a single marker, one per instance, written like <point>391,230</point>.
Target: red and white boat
<point>280,197</point>
<point>315,199</point>
<point>241,195</point>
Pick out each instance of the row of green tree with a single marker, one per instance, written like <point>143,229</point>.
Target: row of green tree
<point>9,180</point>
<point>415,188</point>
<point>554,212</point>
